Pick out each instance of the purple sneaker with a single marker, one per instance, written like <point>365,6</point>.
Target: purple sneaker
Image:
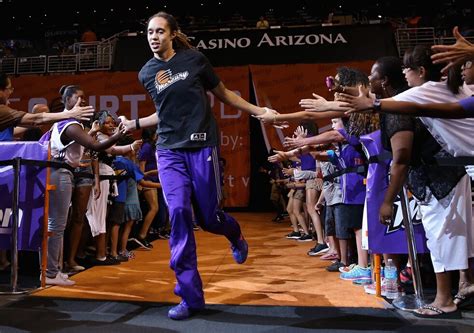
<point>180,311</point>
<point>240,250</point>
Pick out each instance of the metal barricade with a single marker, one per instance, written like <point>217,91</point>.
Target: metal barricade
<point>8,65</point>
<point>94,56</point>
<point>31,65</point>
<point>410,37</point>
<point>16,163</point>
<point>62,63</point>
<point>416,301</point>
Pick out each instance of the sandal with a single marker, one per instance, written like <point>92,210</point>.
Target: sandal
<point>463,301</point>
<point>440,314</point>
<point>329,256</point>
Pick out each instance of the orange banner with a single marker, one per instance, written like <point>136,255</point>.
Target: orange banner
<point>281,87</point>
<point>235,141</point>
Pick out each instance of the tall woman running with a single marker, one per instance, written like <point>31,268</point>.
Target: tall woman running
<point>177,78</point>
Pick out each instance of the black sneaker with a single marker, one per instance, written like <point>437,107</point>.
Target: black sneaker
<point>293,235</point>
<point>143,242</point>
<point>318,249</point>
<point>119,257</point>
<point>305,238</point>
<point>334,267</point>
<point>107,262</point>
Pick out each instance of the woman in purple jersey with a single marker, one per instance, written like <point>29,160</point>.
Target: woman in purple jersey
<point>177,79</point>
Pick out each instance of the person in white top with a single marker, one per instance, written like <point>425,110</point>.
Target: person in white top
<point>67,141</point>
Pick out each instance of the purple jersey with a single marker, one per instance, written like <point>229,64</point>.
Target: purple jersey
<point>352,184</point>
<point>308,162</point>
<point>147,154</point>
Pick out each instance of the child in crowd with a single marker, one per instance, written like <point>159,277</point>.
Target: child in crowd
<point>126,207</point>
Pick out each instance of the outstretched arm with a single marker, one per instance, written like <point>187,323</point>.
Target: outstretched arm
<point>77,112</point>
<point>120,150</point>
<point>76,133</point>
<point>270,118</point>
<point>131,125</point>
<point>230,98</point>
<point>434,110</point>
<point>323,138</point>
<point>149,184</point>
<point>320,104</point>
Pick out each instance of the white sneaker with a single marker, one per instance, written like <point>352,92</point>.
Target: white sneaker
<point>61,279</point>
<point>346,269</point>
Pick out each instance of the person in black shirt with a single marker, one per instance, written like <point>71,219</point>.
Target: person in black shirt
<point>177,79</point>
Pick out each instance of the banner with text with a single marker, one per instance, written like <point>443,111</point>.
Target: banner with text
<point>32,189</point>
<point>273,46</point>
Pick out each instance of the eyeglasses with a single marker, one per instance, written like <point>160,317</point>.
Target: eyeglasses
<point>10,88</point>
<point>467,65</point>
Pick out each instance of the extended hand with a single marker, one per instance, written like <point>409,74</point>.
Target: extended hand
<point>129,124</point>
<point>454,54</point>
<point>81,112</point>
<point>278,157</point>
<point>300,132</point>
<point>362,102</point>
<point>268,117</point>
<point>292,143</point>
<point>121,129</point>
<point>137,144</point>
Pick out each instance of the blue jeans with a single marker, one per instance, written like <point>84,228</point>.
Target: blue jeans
<point>59,201</point>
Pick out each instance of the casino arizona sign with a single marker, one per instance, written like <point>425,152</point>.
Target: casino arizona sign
<point>269,41</point>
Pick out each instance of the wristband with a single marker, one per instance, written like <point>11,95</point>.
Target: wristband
<point>137,123</point>
<point>377,105</point>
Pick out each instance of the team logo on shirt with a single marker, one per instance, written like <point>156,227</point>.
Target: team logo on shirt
<point>165,78</point>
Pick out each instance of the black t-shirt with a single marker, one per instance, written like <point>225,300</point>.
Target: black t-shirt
<point>178,88</point>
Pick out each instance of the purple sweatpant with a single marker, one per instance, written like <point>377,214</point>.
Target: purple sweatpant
<point>192,175</point>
